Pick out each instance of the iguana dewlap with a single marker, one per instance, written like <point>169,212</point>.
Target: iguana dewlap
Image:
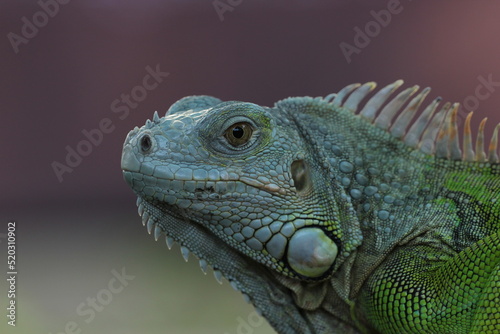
<point>331,215</point>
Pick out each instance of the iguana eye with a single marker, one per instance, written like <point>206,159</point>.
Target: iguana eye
<point>238,134</point>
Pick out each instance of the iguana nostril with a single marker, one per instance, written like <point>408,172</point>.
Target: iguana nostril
<point>146,144</point>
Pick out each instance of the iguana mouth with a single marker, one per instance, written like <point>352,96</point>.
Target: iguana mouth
<point>200,189</point>
<point>189,190</point>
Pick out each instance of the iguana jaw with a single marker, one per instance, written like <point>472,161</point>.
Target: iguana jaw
<point>257,283</point>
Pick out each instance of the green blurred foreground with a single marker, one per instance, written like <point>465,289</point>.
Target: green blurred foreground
<point>92,271</point>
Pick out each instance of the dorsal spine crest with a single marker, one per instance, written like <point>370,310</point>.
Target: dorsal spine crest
<point>432,133</point>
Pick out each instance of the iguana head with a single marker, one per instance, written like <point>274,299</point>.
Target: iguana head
<point>235,184</point>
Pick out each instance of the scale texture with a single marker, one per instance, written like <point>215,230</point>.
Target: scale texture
<point>358,212</point>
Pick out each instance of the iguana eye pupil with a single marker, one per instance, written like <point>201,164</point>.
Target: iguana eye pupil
<point>238,134</point>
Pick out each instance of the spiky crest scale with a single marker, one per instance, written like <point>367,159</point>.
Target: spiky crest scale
<point>399,126</point>
<point>156,118</point>
<point>435,134</point>
<point>480,155</point>
<point>493,148</point>
<point>370,109</point>
<point>337,101</point>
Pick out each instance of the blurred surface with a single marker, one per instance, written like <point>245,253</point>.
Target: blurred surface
<point>75,229</point>
<point>68,268</point>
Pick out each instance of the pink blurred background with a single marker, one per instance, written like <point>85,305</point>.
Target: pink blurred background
<point>65,78</point>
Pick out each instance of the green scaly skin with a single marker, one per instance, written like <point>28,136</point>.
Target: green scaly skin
<point>326,222</point>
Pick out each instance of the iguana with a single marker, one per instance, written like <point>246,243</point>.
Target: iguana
<point>331,215</point>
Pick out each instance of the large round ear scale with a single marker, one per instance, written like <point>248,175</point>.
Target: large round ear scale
<point>311,252</point>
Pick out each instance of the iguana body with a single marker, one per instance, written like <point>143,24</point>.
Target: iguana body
<point>329,215</point>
